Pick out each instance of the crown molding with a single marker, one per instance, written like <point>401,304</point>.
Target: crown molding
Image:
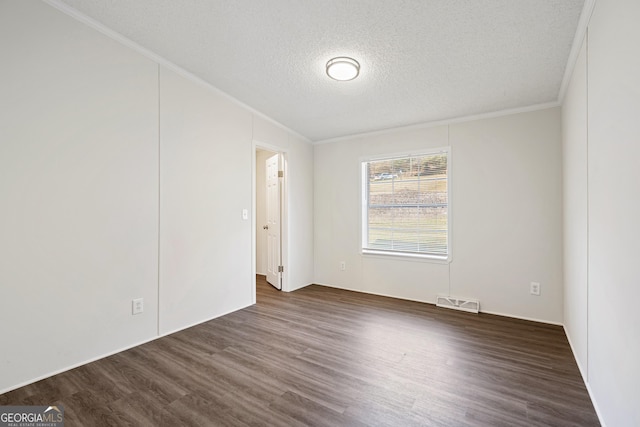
<point>445,122</point>
<point>581,31</point>
<point>583,23</point>
<point>92,23</point>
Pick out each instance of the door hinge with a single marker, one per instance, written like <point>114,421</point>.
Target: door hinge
<point>280,174</point>
<point>281,269</point>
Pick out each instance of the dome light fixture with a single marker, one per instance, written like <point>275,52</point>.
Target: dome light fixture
<point>343,68</point>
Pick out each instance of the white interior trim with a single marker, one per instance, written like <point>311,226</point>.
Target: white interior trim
<point>584,19</point>
<point>583,372</point>
<point>364,209</point>
<point>68,10</point>
<point>381,294</point>
<point>582,369</point>
<point>513,316</point>
<point>491,115</point>
<point>284,226</point>
<point>111,353</point>
<point>581,31</point>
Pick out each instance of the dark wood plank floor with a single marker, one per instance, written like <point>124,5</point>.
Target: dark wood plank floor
<point>327,357</point>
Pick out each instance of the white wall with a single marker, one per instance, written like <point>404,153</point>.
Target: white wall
<point>79,192</point>
<point>506,213</point>
<point>613,236</point>
<point>337,220</point>
<point>574,167</point>
<point>300,194</point>
<point>109,163</point>
<point>614,210</point>
<point>205,183</point>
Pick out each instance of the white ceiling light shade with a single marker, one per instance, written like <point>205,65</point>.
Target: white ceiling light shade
<point>343,68</point>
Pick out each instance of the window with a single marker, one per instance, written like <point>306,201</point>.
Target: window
<point>406,205</point>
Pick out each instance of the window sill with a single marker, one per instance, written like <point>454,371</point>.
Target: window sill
<point>409,256</point>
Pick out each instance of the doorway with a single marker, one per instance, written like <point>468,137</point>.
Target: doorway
<point>270,215</point>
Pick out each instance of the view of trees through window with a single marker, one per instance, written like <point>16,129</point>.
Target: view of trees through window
<point>407,204</point>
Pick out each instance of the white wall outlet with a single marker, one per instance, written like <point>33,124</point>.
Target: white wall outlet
<point>137,306</point>
<point>245,214</point>
<point>535,288</point>
<point>343,266</point>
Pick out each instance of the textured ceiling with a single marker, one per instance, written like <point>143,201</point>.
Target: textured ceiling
<point>422,60</point>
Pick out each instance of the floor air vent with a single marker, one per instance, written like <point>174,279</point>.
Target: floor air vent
<point>469,305</point>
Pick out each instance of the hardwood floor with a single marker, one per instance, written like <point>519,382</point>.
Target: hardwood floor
<point>328,357</point>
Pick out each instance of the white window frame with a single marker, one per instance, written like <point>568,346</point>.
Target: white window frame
<point>364,208</point>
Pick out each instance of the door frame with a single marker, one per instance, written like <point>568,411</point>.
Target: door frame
<point>284,213</point>
<point>273,193</point>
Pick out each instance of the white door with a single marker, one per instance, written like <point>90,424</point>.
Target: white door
<point>274,276</point>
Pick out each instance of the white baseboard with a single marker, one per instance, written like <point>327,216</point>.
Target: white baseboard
<point>513,316</point>
<point>111,353</point>
<point>432,302</point>
<point>296,288</point>
<point>380,294</point>
<point>585,377</point>
<point>73,366</point>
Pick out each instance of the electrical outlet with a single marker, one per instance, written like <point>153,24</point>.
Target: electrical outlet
<point>137,306</point>
<point>343,266</point>
<point>535,288</point>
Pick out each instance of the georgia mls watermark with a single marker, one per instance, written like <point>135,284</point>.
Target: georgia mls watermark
<point>31,416</point>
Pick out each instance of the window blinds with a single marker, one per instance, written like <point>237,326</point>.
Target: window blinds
<point>407,204</point>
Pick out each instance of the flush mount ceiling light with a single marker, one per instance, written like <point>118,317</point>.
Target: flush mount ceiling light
<point>343,68</point>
